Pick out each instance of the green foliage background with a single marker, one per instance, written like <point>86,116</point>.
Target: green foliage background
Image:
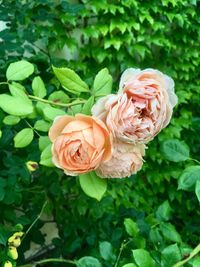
<point>97,34</point>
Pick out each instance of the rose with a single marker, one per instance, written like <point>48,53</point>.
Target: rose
<point>142,108</point>
<point>126,160</point>
<point>80,143</point>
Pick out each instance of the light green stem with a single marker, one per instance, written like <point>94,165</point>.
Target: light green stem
<point>195,160</point>
<point>123,245</point>
<point>36,219</point>
<point>1,83</point>
<point>192,254</point>
<point>57,104</point>
<point>47,261</point>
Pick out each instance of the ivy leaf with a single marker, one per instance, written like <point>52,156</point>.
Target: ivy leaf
<point>23,138</point>
<point>197,189</point>
<point>106,251</point>
<point>70,80</point>
<point>143,258</point>
<point>170,255</point>
<point>131,227</point>
<point>38,87</point>
<point>169,232</point>
<point>175,150</point>
<point>15,105</point>
<point>189,178</point>
<point>163,212</point>
<point>102,83</point>
<point>92,185</point>
<point>88,261</point>
<point>129,265</point>
<point>2,188</point>
<point>19,70</point>
<point>88,106</point>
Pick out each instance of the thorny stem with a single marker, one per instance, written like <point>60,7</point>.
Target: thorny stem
<point>47,261</point>
<point>55,103</point>
<point>192,255</point>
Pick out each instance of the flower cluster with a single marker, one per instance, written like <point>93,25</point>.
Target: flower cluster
<point>113,140</point>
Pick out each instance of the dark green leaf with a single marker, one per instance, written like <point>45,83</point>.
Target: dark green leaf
<point>189,177</point>
<point>175,150</point>
<point>88,261</point>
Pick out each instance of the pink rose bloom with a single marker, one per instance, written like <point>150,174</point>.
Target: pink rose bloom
<point>126,160</point>
<point>80,143</point>
<point>141,109</point>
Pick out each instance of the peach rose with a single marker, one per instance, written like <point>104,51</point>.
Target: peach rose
<point>80,143</point>
<point>141,109</point>
<point>126,160</point>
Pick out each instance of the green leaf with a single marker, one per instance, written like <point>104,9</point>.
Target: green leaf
<point>175,150</point>
<point>106,251</point>
<point>163,212</point>
<point>92,185</point>
<point>143,258</point>
<point>50,113</point>
<point>3,236</point>
<point>197,189</point>
<point>18,90</point>
<point>196,262</point>
<point>59,97</point>
<point>88,261</point>
<point>15,105</point>
<point>38,87</point>
<point>19,70</point>
<point>170,256</point>
<point>75,109</point>
<point>44,141</point>
<point>129,265</point>
<point>88,106</point>
<point>46,157</point>
<point>102,83</point>
<point>155,236</point>
<point>189,178</point>
<point>42,126</point>
<point>2,188</point>
<point>23,138</point>
<point>131,227</point>
<point>11,120</point>
<point>70,81</point>
<point>169,232</point>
